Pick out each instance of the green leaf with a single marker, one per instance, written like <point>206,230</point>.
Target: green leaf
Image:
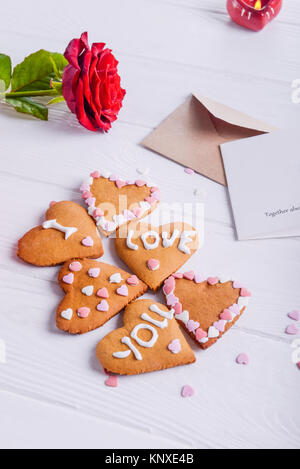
<point>58,99</point>
<point>59,60</point>
<point>5,70</point>
<point>36,71</point>
<point>27,106</point>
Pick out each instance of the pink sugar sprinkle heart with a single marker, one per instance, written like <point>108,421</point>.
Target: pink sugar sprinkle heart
<point>151,200</point>
<point>88,242</point>
<point>94,272</point>
<point>295,315</point>
<point>137,211</point>
<point>178,308</point>
<point>156,195</point>
<point>53,202</point>
<point>84,187</point>
<point>75,266</point>
<point>226,315</point>
<point>102,293</point>
<point>234,309</point>
<point>133,280</point>
<point>292,329</point>
<point>98,213</point>
<point>171,299</point>
<point>169,285</point>
<point>189,171</point>
<point>90,201</point>
<point>187,391</point>
<point>212,280</point>
<point>83,312</point>
<point>95,174</point>
<point>111,381</point>
<point>236,284</point>
<point>87,195</point>
<point>189,275</point>
<point>199,278</point>
<point>140,183</point>
<point>153,264</point>
<point>200,334</point>
<point>220,325</point>
<point>245,292</point>
<point>119,183</point>
<point>242,359</point>
<point>102,306</point>
<point>178,275</point>
<point>122,290</point>
<point>192,325</point>
<point>175,346</point>
<point>69,279</point>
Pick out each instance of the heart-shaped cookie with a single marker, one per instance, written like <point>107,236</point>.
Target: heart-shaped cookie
<point>67,232</point>
<point>150,340</point>
<point>95,292</point>
<point>114,202</point>
<point>206,307</point>
<point>153,253</point>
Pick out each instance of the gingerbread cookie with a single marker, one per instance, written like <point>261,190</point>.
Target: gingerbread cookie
<point>114,202</point>
<point>67,232</point>
<point>150,340</point>
<point>95,292</point>
<point>206,307</point>
<point>156,252</point>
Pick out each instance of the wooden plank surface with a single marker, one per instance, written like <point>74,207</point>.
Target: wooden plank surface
<point>167,49</point>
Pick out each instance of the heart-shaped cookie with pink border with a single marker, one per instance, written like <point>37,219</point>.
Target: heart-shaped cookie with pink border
<point>206,307</point>
<point>95,292</point>
<point>155,252</point>
<point>150,340</point>
<point>67,232</point>
<point>114,202</point>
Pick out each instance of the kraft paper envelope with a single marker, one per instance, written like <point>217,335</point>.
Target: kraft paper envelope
<point>193,133</point>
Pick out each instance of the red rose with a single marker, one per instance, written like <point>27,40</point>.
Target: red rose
<point>91,84</point>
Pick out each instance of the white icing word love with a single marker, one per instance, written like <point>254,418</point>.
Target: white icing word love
<point>184,239</point>
<point>57,226</point>
<point>134,333</point>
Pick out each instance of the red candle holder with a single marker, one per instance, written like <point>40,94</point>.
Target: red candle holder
<point>253,14</point>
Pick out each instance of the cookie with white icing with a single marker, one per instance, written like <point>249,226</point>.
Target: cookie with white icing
<point>94,293</point>
<point>67,232</point>
<point>205,307</point>
<point>114,202</point>
<point>154,253</point>
<point>150,340</point>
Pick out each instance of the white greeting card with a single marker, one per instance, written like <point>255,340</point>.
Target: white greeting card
<point>263,175</point>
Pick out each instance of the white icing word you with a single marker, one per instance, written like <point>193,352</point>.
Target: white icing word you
<point>65,229</point>
<point>184,239</point>
<point>134,333</point>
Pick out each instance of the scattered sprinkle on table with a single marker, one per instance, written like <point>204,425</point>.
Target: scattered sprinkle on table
<point>292,329</point>
<point>242,359</point>
<point>111,381</point>
<point>189,171</point>
<point>143,171</point>
<point>187,391</point>
<point>295,315</point>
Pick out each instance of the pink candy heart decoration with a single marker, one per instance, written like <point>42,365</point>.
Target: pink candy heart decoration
<point>169,285</point>
<point>133,280</point>
<point>236,284</point>
<point>226,315</point>
<point>87,195</point>
<point>102,306</point>
<point>192,325</point>
<point>69,279</point>
<point>84,187</point>
<point>199,278</point>
<point>97,213</point>
<point>187,391</point>
<point>90,201</point>
<point>242,359</point>
<point>178,308</point>
<point>140,183</point>
<point>75,266</point>
<point>220,325</point>
<point>122,290</point>
<point>171,299</point>
<point>189,171</point>
<point>175,346</point>
<point>88,242</point>
<point>137,211</point>
<point>178,275</point>
<point>83,312</point>
<point>111,381</point>
<point>153,264</point>
<point>212,280</point>
<point>189,275</point>
<point>95,174</point>
<point>292,329</point>
<point>94,273</point>
<point>245,292</point>
<point>295,315</point>
<point>119,183</point>
<point>200,334</point>
<point>102,293</point>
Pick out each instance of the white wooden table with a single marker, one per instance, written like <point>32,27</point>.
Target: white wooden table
<point>52,391</point>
